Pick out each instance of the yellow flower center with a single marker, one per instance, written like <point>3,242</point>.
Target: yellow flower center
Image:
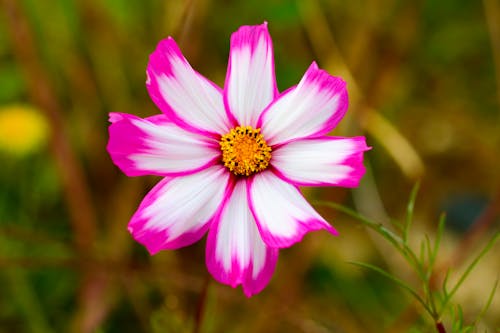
<point>244,151</point>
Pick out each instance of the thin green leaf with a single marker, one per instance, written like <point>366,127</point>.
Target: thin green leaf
<point>394,239</point>
<point>468,329</point>
<point>445,283</point>
<point>383,231</point>
<point>398,226</point>
<point>488,303</point>
<point>473,264</point>
<point>427,274</point>
<point>456,318</point>
<point>460,316</point>
<point>396,280</point>
<point>409,211</point>
<point>439,236</point>
<point>429,267</point>
<point>418,263</point>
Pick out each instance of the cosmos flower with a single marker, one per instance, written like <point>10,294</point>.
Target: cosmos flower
<point>232,159</point>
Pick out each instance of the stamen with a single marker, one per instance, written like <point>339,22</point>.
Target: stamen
<point>244,151</point>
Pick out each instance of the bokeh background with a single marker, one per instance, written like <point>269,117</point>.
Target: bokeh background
<point>423,83</point>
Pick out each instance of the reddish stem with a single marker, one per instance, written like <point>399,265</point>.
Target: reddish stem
<point>440,327</point>
<point>200,308</point>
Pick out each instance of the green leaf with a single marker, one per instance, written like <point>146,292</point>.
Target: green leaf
<point>396,280</point>
<point>439,236</point>
<point>428,249</point>
<point>469,268</point>
<point>488,303</point>
<point>409,211</point>
<point>445,283</point>
<point>393,238</point>
<point>383,231</point>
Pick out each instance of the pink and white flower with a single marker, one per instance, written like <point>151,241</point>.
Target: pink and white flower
<point>233,158</point>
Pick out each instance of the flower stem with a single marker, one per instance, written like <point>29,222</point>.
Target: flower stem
<point>201,306</point>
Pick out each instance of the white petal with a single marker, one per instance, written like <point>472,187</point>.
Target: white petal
<point>186,97</point>
<point>312,108</point>
<point>281,212</point>
<point>236,253</point>
<point>321,161</point>
<point>156,146</point>
<point>177,211</point>
<point>250,82</point>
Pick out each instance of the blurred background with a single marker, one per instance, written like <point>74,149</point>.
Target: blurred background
<point>423,85</point>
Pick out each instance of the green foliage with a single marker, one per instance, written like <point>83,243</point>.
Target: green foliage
<point>436,302</point>
<point>427,67</point>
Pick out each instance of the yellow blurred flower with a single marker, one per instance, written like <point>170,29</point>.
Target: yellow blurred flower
<point>23,130</point>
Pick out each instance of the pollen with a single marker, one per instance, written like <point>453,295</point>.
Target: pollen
<point>244,151</point>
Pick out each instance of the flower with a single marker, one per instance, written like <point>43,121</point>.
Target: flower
<point>232,159</point>
<point>23,130</point>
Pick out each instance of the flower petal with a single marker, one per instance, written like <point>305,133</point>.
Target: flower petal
<point>250,82</point>
<point>236,253</point>
<point>282,214</point>
<point>314,107</point>
<point>156,146</point>
<point>185,96</point>
<point>177,211</point>
<point>321,161</point>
